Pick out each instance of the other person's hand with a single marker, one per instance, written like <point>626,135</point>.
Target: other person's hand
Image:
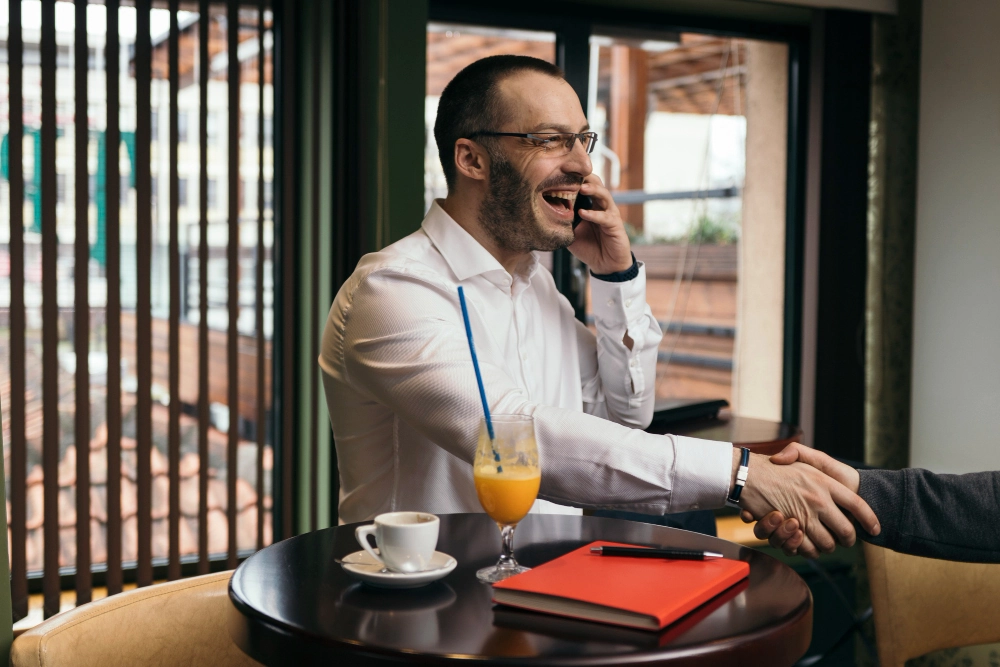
<point>601,242</point>
<point>805,494</point>
<point>785,534</point>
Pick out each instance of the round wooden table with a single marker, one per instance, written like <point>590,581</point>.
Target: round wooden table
<point>293,604</point>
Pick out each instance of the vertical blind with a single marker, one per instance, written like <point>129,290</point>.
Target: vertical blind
<point>136,290</point>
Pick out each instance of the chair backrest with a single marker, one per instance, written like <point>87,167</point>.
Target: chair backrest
<point>924,604</point>
<point>178,623</point>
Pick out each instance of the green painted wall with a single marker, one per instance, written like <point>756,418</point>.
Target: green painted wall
<point>313,147</point>
<point>391,57</point>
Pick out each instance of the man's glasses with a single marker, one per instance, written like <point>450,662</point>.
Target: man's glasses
<point>555,143</point>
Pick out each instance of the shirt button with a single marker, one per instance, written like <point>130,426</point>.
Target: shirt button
<point>524,356</point>
<point>628,302</point>
<point>611,302</point>
<point>695,506</point>
<point>631,364</point>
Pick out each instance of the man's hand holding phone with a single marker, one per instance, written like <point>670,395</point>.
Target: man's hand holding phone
<point>601,242</point>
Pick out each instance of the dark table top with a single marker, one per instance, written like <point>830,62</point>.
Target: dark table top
<point>759,435</point>
<point>293,604</point>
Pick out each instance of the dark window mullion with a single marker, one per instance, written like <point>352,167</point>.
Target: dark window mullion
<point>232,27</point>
<point>314,307</point>
<point>203,417</point>
<point>82,313</point>
<point>573,56</point>
<point>143,319</point>
<point>50,315</point>
<point>114,578</point>
<point>18,444</point>
<point>261,398</point>
<point>174,428</point>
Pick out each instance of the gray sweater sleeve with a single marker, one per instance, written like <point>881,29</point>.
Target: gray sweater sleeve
<point>954,517</point>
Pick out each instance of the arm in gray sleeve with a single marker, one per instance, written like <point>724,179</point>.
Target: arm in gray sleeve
<point>954,517</point>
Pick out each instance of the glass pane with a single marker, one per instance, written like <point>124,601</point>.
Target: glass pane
<point>672,116</point>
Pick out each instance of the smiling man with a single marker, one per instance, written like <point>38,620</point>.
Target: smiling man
<point>514,144</point>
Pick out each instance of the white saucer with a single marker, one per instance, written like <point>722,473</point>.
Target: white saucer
<point>362,566</point>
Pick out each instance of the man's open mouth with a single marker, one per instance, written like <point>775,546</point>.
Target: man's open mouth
<point>560,200</point>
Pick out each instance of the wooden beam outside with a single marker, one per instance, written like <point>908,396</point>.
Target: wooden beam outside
<point>629,104</point>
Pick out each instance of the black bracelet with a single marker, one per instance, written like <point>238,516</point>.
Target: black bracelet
<point>741,478</point>
<point>620,276</point>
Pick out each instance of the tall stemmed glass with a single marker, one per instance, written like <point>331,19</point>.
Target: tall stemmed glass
<point>507,475</point>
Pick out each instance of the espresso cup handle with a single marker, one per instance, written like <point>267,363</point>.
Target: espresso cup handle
<point>362,533</point>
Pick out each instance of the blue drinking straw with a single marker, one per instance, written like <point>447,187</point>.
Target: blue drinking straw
<point>479,377</point>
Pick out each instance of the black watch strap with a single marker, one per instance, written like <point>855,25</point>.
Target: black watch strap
<point>741,478</point>
<point>620,276</point>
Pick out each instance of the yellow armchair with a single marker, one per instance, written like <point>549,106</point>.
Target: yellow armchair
<point>924,604</point>
<point>177,623</point>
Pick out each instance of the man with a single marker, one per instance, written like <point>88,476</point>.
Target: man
<point>937,516</point>
<point>399,381</point>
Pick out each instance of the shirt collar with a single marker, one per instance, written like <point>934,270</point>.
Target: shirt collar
<point>463,253</point>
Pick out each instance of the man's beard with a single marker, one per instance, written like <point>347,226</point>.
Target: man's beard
<point>507,214</point>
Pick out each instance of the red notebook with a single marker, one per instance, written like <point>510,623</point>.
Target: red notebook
<point>645,593</point>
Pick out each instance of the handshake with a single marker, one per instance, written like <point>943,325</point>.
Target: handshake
<point>801,499</point>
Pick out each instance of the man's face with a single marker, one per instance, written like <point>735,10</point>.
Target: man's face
<point>532,189</point>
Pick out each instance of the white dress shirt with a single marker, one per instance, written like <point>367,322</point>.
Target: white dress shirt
<point>405,407</point>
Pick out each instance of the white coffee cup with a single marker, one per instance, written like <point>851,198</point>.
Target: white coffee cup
<point>405,540</point>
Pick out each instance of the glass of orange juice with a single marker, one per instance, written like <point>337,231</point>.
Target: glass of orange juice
<point>507,475</point>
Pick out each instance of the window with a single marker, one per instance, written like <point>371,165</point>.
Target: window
<point>182,127</point>
<point>684,206</point>
<point>128,273</point>
<point>268,130</point>
<point>671,111</point>
<point>248,129</point>
<point>212,127</point>
<point>211,193</point>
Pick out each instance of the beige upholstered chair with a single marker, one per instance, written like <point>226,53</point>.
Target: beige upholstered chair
<point>923,604</point>
<point>177,623</point>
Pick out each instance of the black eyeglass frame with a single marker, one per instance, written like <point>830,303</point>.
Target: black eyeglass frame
<point>587,139</point>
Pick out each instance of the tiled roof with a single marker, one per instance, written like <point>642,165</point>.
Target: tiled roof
<point>246,493</point>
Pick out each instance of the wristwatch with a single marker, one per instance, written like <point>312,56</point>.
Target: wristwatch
<point>741,478</point>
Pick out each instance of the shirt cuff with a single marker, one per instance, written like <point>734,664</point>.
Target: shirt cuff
<point>703,470</point>
<point>618,305</point>
<point>620,276</point>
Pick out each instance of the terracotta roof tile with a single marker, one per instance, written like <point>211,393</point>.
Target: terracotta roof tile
<point>189,465</point>
<point>35,506</point>
<point>98,463</point>
<point>160,498</point>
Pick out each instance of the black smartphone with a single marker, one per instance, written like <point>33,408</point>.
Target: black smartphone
<point>582,201</point>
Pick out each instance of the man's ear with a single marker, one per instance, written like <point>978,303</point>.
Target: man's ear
<point>471,160</point>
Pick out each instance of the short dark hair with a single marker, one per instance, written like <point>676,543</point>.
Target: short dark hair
<point>471,102</point>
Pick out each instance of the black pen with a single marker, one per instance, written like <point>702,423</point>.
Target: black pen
<point>640,552</point>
